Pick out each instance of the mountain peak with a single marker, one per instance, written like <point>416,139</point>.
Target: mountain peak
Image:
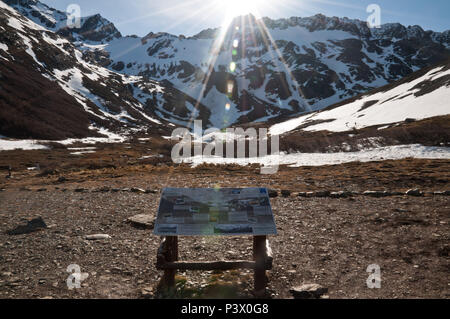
<point>93,28</point>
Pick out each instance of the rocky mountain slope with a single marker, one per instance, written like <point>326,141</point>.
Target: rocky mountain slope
<point>423,94</point>
<point>49,92</point>
<point>92,28</point>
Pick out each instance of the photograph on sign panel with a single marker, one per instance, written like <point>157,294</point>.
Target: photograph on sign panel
<point>215,212</point>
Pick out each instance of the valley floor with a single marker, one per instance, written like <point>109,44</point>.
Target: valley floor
<point>321,240</point>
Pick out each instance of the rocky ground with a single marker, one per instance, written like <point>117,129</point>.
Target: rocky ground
<point>323,240</point>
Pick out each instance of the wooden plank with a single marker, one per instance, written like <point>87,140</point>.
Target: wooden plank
<point>161,255</point>
<point>169,249</point>
<point>209,265</point>
<point>259,255</point>
<point>167,260</point>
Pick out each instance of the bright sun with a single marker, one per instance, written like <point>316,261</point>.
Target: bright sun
<point>233,8</point>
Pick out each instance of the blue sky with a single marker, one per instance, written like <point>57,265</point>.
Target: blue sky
<point>191,16</point>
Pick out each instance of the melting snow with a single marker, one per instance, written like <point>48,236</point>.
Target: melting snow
<point>82,152</point>
<point>9,145</point>
<point>320,159</point>
<point>111,138</point>
<point>3,47</point>
<point>391,107</point>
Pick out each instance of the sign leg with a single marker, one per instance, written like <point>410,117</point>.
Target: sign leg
<point>259,246</point>
<point>171,255</point>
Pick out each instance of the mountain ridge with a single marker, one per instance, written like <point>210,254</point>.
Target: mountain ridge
<point>255,71</point>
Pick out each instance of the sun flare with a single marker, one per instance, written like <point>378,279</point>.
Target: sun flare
<point>233,8</point>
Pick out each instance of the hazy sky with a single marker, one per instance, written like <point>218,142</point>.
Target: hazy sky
<point>191,16</point>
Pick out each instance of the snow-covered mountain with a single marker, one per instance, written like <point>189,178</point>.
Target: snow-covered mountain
<point>266,68</point>
<point>254,70</point>
<point>423,94</point>
<point>49,91</point>
<point>92,28</point>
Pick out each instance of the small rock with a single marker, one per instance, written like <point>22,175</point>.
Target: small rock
<point>151,191</point>
<point>341,194</point>
<point>138,190</point>
<point>302,194</point>
<point>102,190</point>
<point>97,237</point>
<point>322,194</point>
<point>414,192</point>
<point>272,193</point>
<point>147,292</point>
<point>142,220</point>
<point>32,226</point>
<point>377,194</point>
<point>308,291</point>
<point>292,272</point>
<point>285,193</point>
<point>80,190</point>
<point>62,179</point>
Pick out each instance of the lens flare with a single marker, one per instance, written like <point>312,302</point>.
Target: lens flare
<point>235,8</point>
<point>230,87</point>
<point>241,7</point>
<point>232,66</point>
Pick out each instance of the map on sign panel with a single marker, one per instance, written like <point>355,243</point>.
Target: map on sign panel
<point>221,211</point>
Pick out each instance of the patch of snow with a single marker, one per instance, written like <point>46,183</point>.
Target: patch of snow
<point>111,138</point>
<point>3,47</point>
<point>82,152</point>
<point>150,156</point>
<point>81,148</point>
<point>9,145</point>
<point>319,159</point>
<point>392,106</point>
<point>29,49</point>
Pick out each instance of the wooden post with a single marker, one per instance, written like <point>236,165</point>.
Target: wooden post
<point>171,254</point>
<point>259,253</point>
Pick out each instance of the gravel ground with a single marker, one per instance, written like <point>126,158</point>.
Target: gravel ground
<point>321,240</point>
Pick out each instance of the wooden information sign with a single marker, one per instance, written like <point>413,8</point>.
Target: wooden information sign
<point>215,212</point>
